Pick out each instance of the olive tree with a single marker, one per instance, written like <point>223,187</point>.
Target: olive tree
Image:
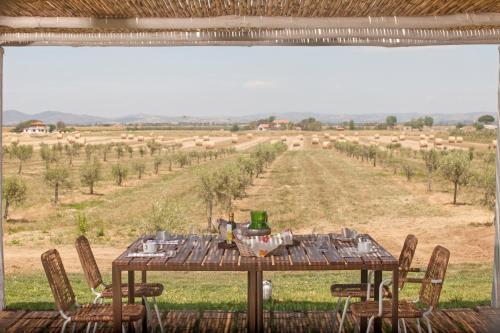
<point>13,192</point>
<point>58,177</point>
<point>455,167</point>
<point>485,180</point>
<point>139,167</point>
<point>206,191</point>
<point>47,154</point>
<point>156,164</point>
<point>23,153</point>
<point>90,174</point>
<point>408,170</point>
<point>431,159</point>
<point>119,173</point>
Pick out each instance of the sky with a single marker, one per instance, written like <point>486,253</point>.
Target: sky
<point>237,81</point>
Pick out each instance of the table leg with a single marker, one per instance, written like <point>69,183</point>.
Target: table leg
<point>252,302</point>
<point>363,320</point>
<point>145,319</point>
<point>259,303</point>
<point>131,295</point>
<point>395,299</point>
<point>117,299</point>
<point>378,280</point>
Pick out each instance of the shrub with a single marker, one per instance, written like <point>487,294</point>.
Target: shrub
<point>431,159</point>
<point>156,164</point>
<point>83,225</point>
<point>408,170</point>
<point>165,215</point>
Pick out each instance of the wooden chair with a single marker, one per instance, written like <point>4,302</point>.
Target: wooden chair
<point>428,300</point>
<point>364,290</point>
<point>103,291</point>
<point>67,305</point>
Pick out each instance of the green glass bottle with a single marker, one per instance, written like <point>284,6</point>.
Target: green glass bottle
<point>258,219</point>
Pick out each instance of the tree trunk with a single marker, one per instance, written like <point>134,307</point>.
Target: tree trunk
<point>374,161</point>
<point>91,188</point>
<point>6,212</point>
<point>209,217</point>
<point>56,193</point>
<point>455,194</point>
<point>429,182</point>
<point>20,167</point>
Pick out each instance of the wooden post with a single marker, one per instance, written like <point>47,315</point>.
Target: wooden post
<point>495,293</point>
<point>2,271</point>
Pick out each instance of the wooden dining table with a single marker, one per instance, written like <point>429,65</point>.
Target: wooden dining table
<point>205,254</point>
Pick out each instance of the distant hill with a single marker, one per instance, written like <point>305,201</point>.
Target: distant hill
<point>12,117</point>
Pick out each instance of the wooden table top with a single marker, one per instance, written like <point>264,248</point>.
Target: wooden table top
<point>302,256</point>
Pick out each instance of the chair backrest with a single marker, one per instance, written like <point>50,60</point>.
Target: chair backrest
<point>436,270</point>
<point>406,258</point>
<point>64,296</point>
<point>89,265</point>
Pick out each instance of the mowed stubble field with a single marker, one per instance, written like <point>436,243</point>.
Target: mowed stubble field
<point>306,189</point>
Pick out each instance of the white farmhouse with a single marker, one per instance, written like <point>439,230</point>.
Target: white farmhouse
<point>36,127</point>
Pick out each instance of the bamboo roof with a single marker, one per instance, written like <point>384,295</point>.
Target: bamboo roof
<point>249,22</point>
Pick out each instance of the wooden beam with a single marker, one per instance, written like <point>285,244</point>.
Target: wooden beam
<point>495,294</point>
<point>277,22</point>
<point>2,266</point>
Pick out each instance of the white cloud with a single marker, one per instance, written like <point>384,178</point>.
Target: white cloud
<point>258,84</point>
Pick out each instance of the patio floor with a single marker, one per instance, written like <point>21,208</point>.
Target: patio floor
<point>480,319</point>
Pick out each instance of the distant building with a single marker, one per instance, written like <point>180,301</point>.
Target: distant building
<point>490,126</point>
<point>36,127</point>
<point>280,123</point>
<point>263,127</point>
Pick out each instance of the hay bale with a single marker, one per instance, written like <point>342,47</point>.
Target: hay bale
<point>356,133</point>
<point>77,135</point>
<point>422,137</point>
<point>459,139</point>
<point>273,141</point>
<point>140,138</point>
<point>334,138</point>
<point>131,137</point>
<point>249,135</point>
<point>431,137</point>
<point>283,138</point>
<point>301,137</point>
<point>327,145</point>
<point>315,140</point>
<point>160,137</point>
<point>423,144</point>
<point>59,136</point>
<point>377,136</point>
<point>402,137</point>
<point>198,142</point>
<point>206,138</point>
<point>394,139</point>
<point>438,142</point>
<point>209,145</point>
<point>14,140</point>
<point>355,140</point>
<point>123,136</point>
<point>451,139</point>
<point>342,136</point>
<point>71,139</point>
<point>296,143</point>
<point>493,144</point>
<point>234,139</point>
<point>326,135</point>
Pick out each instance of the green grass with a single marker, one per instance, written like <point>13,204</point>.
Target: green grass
<point>466,285</point>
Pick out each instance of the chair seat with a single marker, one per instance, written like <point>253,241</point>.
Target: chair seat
<point>104,313</point>
<point>140,290</point>
<point>370,308</point>
<point>355,290</point>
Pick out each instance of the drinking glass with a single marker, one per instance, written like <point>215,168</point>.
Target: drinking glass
<point>259,219</point>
